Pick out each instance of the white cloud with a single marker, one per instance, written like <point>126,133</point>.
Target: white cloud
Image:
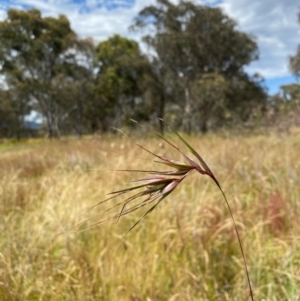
<point>272,22</point>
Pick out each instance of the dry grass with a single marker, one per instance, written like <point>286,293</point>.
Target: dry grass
<point>185,250</point>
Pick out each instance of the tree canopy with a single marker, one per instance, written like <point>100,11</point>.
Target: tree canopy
<point>193,75</point>
<point>35,54</point>
<point>197,45</point>
<point>294,63</point>
<point>121,70</point>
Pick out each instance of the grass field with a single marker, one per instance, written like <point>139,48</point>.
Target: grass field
<point>184,250</point>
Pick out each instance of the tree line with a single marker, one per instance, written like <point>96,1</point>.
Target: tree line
<point>193,75</point>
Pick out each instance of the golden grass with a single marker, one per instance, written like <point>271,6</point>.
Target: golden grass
<point>185,250</point>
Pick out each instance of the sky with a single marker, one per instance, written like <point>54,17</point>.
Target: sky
<point>273,23</point>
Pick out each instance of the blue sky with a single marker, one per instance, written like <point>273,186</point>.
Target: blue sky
<point>272,22</point>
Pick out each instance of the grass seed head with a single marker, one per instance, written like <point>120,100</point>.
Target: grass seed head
<point>160,184</point>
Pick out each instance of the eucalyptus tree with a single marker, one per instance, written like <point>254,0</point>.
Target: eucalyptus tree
<point>291,101</point>
<point>12,113</point>
<point>14,106</point>
<point>291,93</point>
<point>294,62</point>
<point>120,76</point>
<point>192,41</point>
<point>34,51</point>
<point>77,89</point>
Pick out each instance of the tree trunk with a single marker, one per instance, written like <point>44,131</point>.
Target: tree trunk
<point>79,114</point>
<point>187,112</point>
<point>203,126</point>
<point>52,125</point>
<point>161,112</point>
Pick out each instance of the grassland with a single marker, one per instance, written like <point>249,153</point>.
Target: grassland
<point>185,250</point>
